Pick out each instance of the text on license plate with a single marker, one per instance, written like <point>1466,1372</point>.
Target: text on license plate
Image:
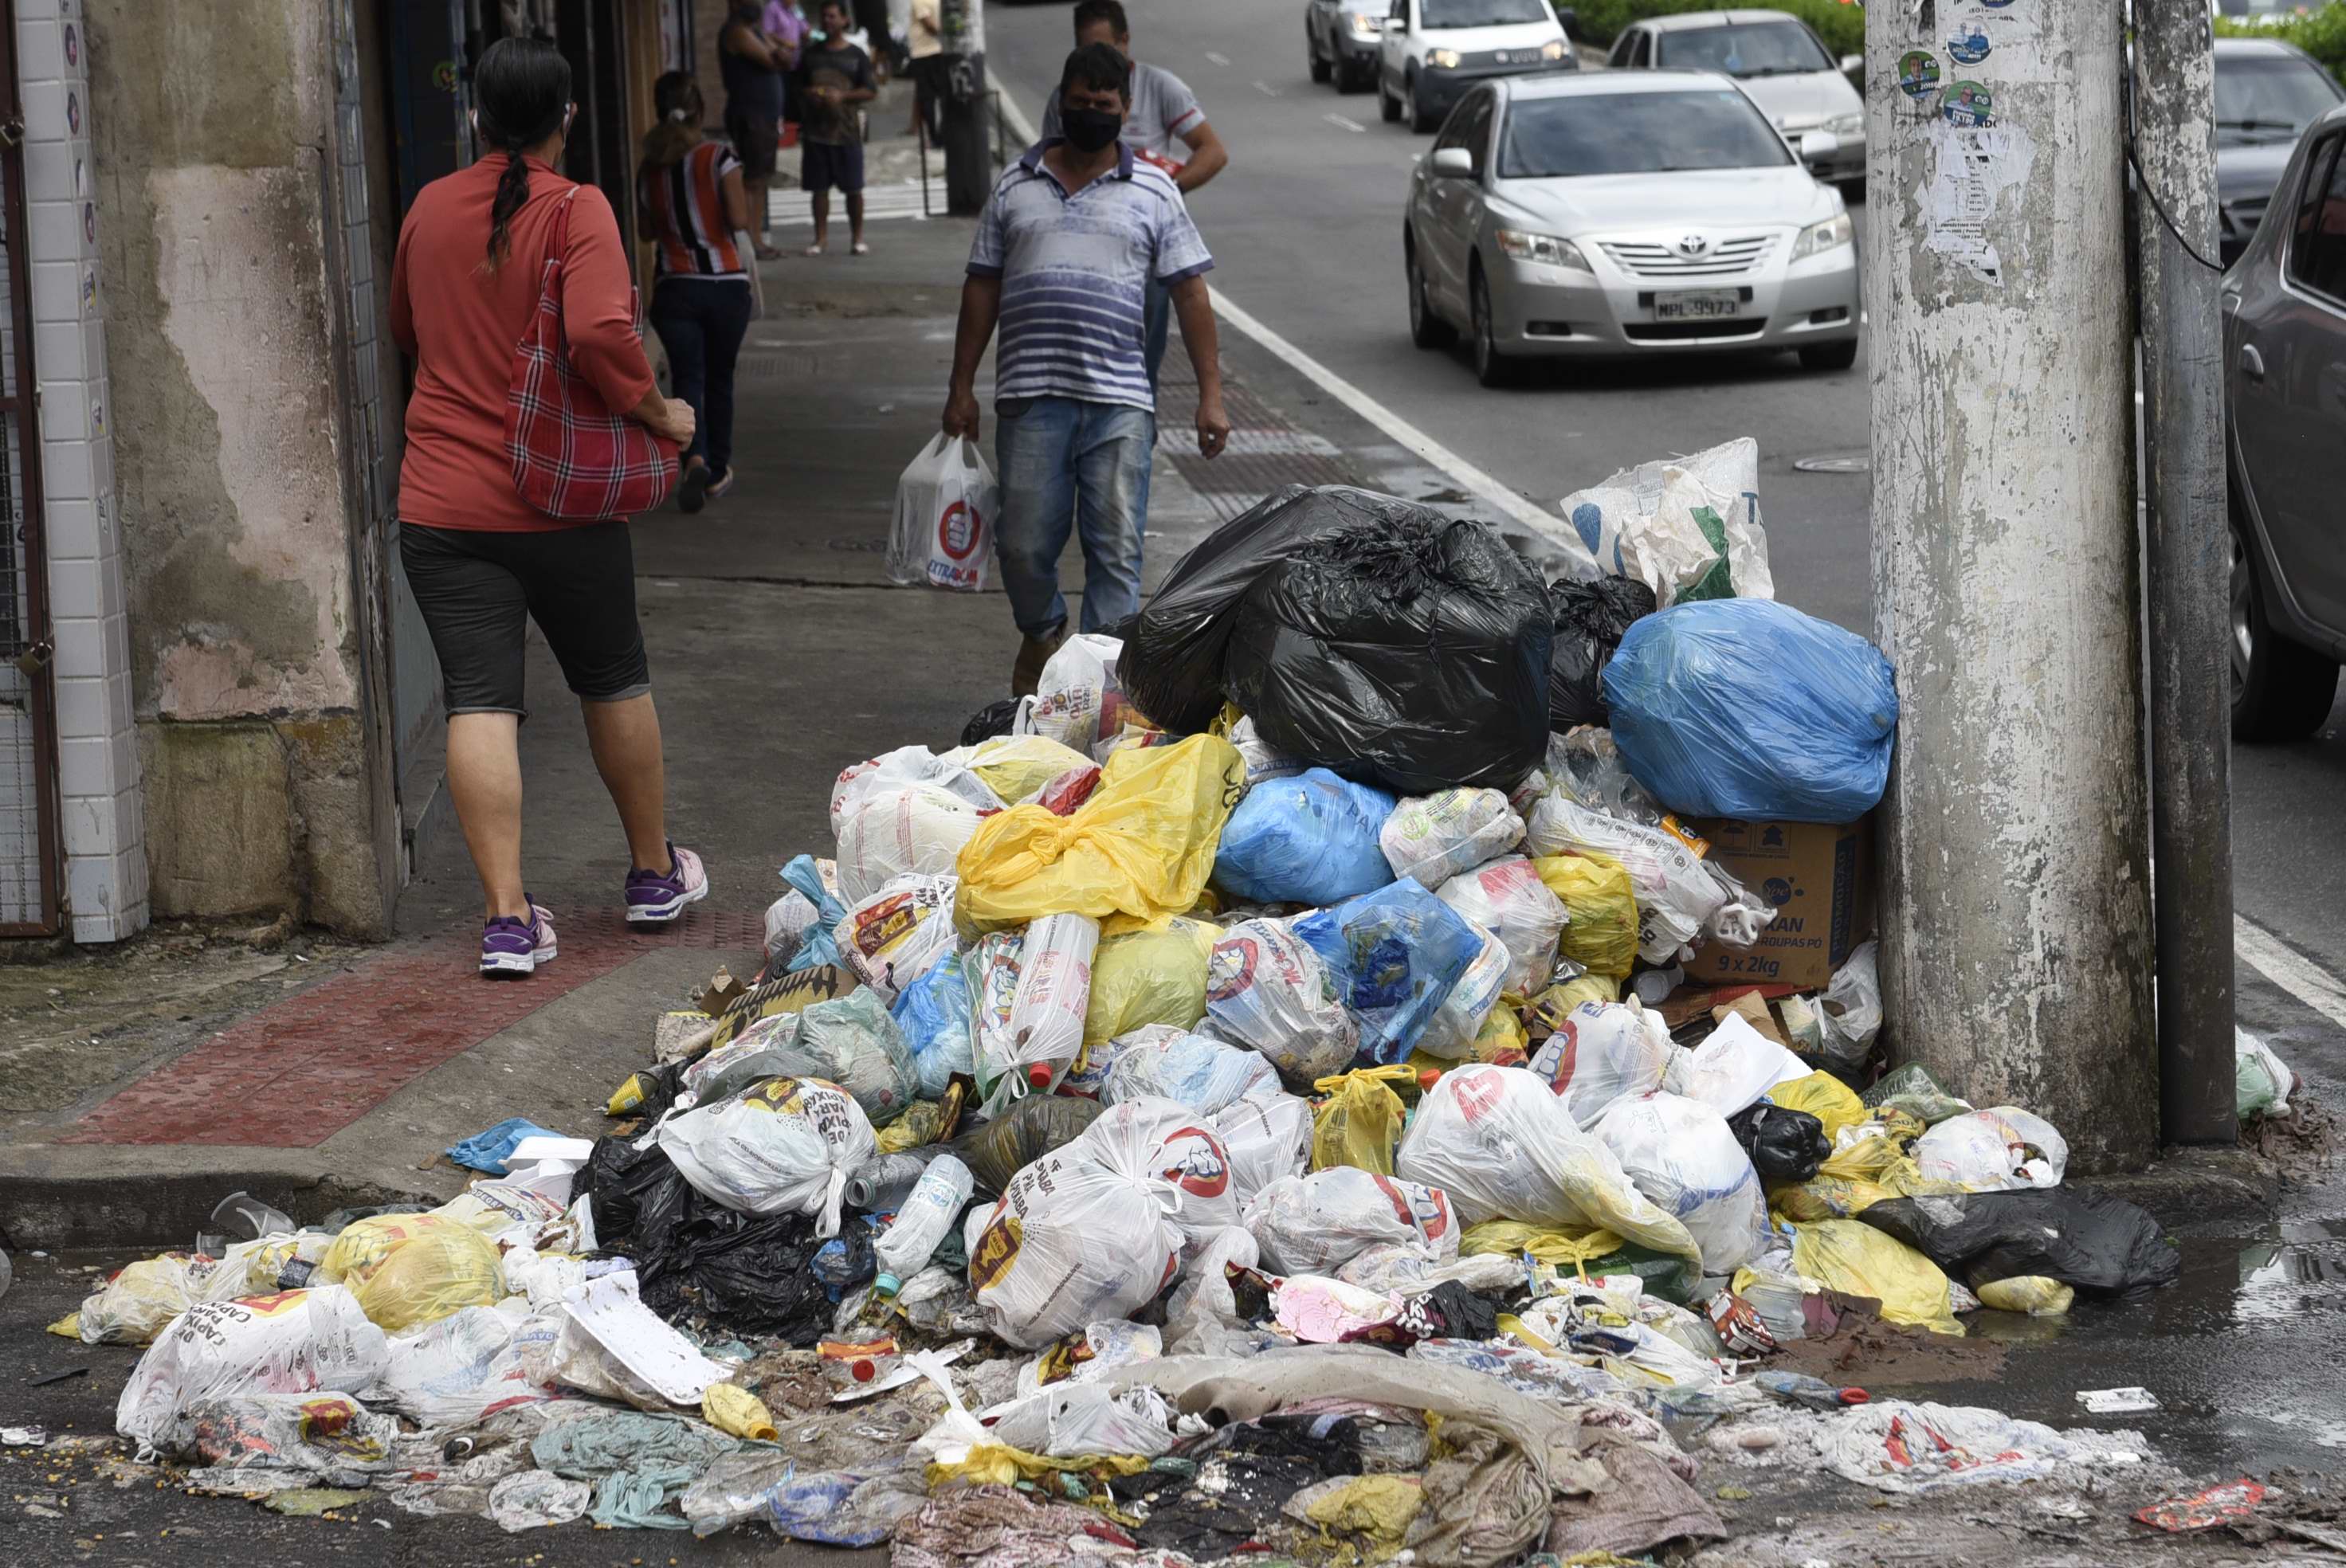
<point>1696,305</point>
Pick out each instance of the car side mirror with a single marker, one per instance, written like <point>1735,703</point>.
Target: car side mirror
<point>1452,163</point>
<point>1817,146</point>
<point>1851,63</point>
<point>1396,26</point>
<point>1569,20</point>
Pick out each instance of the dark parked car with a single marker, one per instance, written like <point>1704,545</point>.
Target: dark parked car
<point>2284,305</point>
<point>2267,93</point>
<point>1343,40</point>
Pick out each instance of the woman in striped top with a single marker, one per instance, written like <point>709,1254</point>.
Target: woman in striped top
<point>690,201</point>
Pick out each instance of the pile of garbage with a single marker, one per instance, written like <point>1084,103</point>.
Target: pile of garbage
<point>1250,1095</point>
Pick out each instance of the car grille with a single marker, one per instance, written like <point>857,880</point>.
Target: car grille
<point>1723,260</point>
<point>1482,59</point>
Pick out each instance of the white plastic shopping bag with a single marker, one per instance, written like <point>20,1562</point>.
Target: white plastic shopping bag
<point>943,531</point>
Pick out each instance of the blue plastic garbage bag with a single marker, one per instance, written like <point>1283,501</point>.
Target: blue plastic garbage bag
<point>934,1012</point>
<point>1309,840</point>
<point>486,1151</point>
<point>1394,955</point>
<point>1749,708</point>
<point>820,946</point>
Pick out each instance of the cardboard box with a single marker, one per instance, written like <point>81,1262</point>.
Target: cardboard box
<point>1821,880</point>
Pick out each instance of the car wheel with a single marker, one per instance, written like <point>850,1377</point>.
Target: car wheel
<point>1349,77</point>
<point>2281,690</point>
<point>1426,330</point>
<point>1830,356</point>
<point>1321,70</point>
<point>1418,120</point>
<point>1388,106</point>
<point>1491,368</point>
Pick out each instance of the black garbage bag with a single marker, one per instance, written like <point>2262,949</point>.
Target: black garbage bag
<point>751,1273</point>
<point>994,718</point>
<point>1172,665</point>
<point>1590,618</point>
<point>1783,1146</point>
<point>2100,1244</point>
<point>1413,653</point>
<point>632,1193</point>
<point>1021,1135</point>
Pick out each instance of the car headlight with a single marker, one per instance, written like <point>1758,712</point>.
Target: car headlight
<point>1519,246</point>
<point>1556,49</point>
<point>1819,237</point>
<point>1443,59</point>
<point>1366,25</point>
<point>1852,124</point>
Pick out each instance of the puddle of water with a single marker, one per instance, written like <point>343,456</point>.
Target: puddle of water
<point>2292,1275</point>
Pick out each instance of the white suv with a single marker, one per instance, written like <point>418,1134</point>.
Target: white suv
<point>1435,49</point>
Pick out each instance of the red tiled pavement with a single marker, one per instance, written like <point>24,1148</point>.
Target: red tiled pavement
<point>302,1069</point>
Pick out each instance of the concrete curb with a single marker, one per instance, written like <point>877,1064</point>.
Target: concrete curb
<point>2196,1186</point>
<point>55,1197</point>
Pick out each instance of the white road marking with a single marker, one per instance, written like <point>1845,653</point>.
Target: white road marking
<point>2281,964</point>
<point>1349,125</point>
<point>1218,59</point>
<point>1266,90</point>
<point>1466,476</point>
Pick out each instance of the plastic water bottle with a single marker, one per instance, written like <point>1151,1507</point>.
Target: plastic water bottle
<point>922,1221</point>
<point>881,1185</point>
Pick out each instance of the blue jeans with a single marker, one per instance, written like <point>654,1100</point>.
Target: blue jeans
<point>1068,465</point>
<point>702,322</point>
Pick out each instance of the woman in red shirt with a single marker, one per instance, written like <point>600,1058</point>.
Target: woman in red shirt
<point>482,561</point>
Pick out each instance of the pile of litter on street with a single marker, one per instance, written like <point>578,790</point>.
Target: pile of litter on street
<point>1380,1055</point>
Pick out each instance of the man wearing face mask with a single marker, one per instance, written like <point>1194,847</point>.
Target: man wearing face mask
<point>1065,250</point>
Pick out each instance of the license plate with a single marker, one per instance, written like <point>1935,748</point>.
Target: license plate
<point>1696,305</point>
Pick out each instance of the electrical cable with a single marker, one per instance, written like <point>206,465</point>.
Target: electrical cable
<point>2142,183</point>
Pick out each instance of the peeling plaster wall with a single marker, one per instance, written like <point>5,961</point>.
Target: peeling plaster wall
<point>212,123</point>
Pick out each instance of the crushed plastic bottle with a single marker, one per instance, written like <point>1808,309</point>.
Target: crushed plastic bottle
<point>881,1185</point>
<point>921,1223</point>
<point>1800,1388</point>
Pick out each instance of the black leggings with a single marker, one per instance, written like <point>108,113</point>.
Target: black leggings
<point>478,588</point>
<point>702,321</point>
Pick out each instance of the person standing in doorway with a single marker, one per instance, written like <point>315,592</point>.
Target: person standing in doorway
<point>691,201</point>
<point>755,63</point>
<point>835,81</point>
<point>925,43</point>
<point>483,563</point>
<point>1066,247</point>
<point>1165,126</point>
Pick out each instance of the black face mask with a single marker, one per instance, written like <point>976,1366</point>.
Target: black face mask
<point>1088,130</point>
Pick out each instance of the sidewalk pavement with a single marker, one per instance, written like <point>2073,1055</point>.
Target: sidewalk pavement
<point>315,1075</point>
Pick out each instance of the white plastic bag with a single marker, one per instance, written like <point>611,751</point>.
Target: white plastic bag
<point>1201,1073</point>
<point>1451,1032</point>
<point>1267,1135</point>
<point>1030,990</point>
<point>1677,894</point>
<point>1683,1155</point>
<point>1601,1052</point>
<point>1265,988</point>
<point>899,770</point>
<point>2260,1085</point>
<point>1201,1316</point>
<point>467,1367</point>
<point>1071,1420</point>
<point>1262,763</point>
<point>788,920</point>
<point>943,529</point>
<point>295,1342</point>
<point>1732,1068</point>
<point>1315,1224</point>
<point>1077,701</point>
<point>1687,527</point>
<point>1500,1142</point>
<point>895,832</point>
<point>785,1146</point>
<point>1507,898</point>
<point>141,1300</point>
<point>1432,838</point>
<point>892,938</point>
<point>2000,1149</point>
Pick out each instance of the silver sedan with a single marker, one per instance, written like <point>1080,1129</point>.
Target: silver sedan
<point>1626,213</point>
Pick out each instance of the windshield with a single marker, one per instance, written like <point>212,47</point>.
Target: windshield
<point>2270,99</point>
<point>1636,133</point>
<point>1433,14</point>
<point>2263,7</point>
<point>1745,49</point>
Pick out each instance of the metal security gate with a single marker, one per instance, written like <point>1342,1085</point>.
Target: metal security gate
<point>29,861</point>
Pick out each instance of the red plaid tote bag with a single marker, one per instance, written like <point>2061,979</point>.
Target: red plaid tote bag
<point>572,456</point>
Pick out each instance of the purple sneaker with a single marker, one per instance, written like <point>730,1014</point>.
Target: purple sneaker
<point>512,949</point>
<point>655,899</point>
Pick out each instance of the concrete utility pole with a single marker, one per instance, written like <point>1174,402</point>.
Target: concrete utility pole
<point>2016,935</point>
<point>2187,558</point>
<point>968,147</point>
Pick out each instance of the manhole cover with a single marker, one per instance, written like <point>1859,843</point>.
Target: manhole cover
<point>1834,465</point>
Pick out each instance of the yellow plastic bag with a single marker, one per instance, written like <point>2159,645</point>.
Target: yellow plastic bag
<point>2030,1293</point>
<point>1601,932</point>
<point>998,1464</point>
<point>1824,1096</point>
<point>1016,767</point>
<point>1152,976</point>
<point>1359,1124</point>
<point>1142,845</point>
<point>1851,1257</point>
<point>410,1269</point>
<point>923,1122</point>
<point>1501,1039</point>
<point>1512,1239</point>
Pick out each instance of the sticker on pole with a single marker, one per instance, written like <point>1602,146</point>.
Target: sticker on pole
<point>1969,48</point>
<point>1918,74</point>
<point>1968,106</point>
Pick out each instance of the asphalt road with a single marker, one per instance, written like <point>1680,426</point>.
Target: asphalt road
<point>1305,228</point>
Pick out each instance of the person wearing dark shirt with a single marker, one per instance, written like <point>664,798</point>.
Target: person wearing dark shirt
<point>754,65</point>
<point>834,79</point>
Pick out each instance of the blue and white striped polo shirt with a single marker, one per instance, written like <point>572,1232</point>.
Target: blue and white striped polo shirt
<point>1075,269</point>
